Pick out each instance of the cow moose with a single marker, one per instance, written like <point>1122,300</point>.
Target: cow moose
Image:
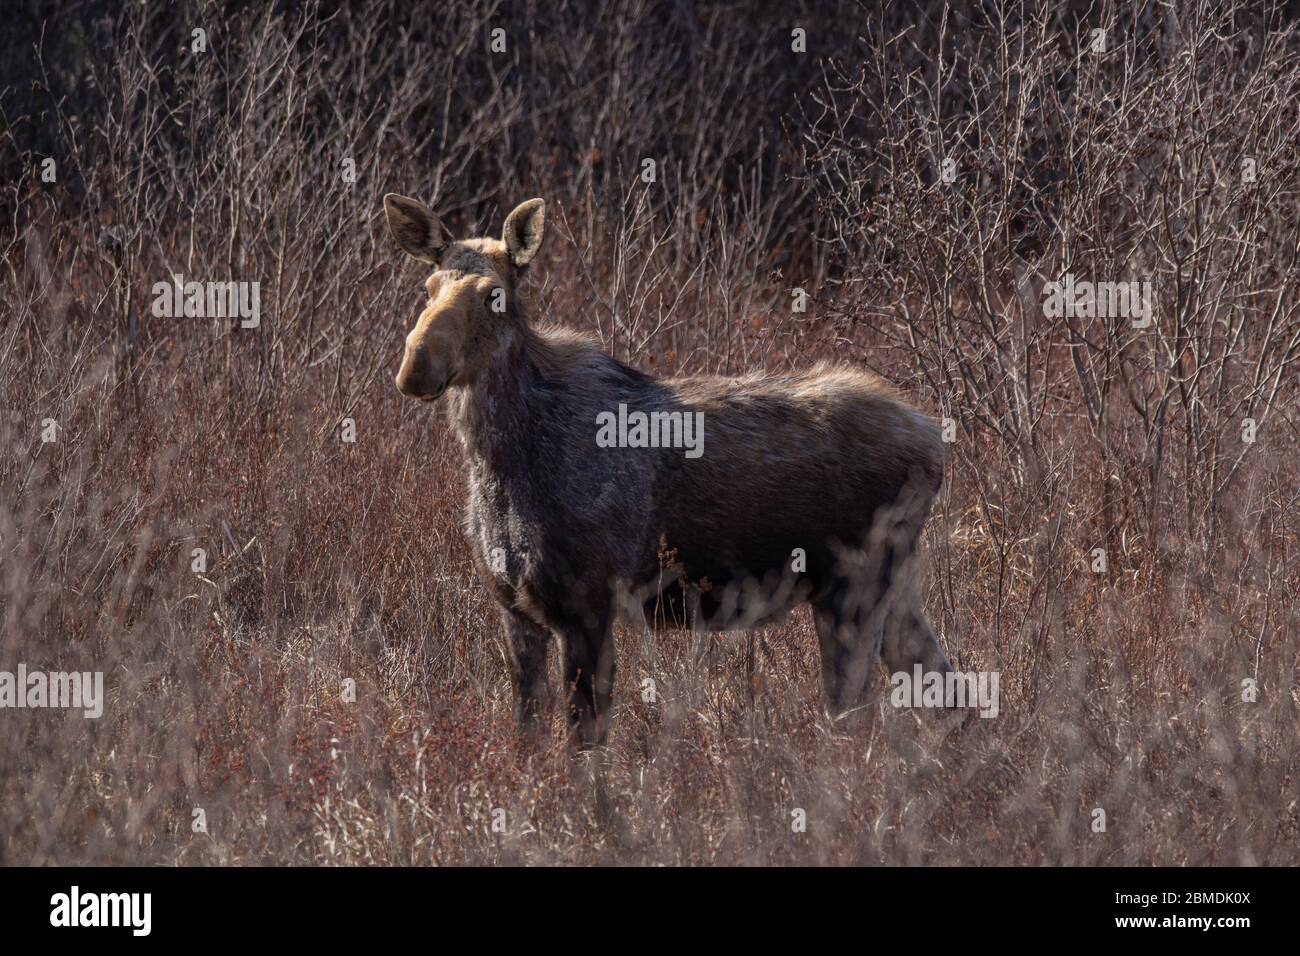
<point>810,486</point>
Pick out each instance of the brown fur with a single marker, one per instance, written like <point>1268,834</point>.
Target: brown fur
<point>828,464</point>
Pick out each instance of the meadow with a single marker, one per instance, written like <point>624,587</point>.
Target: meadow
<point>258,541</point>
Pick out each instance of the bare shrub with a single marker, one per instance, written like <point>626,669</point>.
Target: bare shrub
<point>263,159</point>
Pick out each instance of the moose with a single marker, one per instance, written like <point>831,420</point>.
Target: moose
<point>809,486</point>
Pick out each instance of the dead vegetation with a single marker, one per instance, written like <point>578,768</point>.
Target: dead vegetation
<point>329,560</point>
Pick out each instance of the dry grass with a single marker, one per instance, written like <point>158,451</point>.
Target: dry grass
<point>329,560</point>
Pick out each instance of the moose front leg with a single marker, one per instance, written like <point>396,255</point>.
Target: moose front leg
<point>589,675</point>
<point>528,645</point>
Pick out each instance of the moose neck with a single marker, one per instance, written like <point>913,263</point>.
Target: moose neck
<point>496,415</point>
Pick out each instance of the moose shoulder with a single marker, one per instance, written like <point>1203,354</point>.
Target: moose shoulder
<point>711,502</point>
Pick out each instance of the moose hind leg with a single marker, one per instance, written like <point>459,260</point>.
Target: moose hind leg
<point>849,636</point>
<point>910,640</point>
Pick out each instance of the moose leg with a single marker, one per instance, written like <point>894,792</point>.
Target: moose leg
<point>849,636</point>
<point>528,645</point>
<point>909,640</point>
<point>589,675</point>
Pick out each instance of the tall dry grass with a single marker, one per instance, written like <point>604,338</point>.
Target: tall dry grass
<point>330,560</point>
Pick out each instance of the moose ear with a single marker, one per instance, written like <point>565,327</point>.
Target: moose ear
<point>415,227</point>
<point>523,231</point>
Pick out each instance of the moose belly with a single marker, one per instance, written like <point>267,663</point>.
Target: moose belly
<point>736,604</point>
<point>740,580</point>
